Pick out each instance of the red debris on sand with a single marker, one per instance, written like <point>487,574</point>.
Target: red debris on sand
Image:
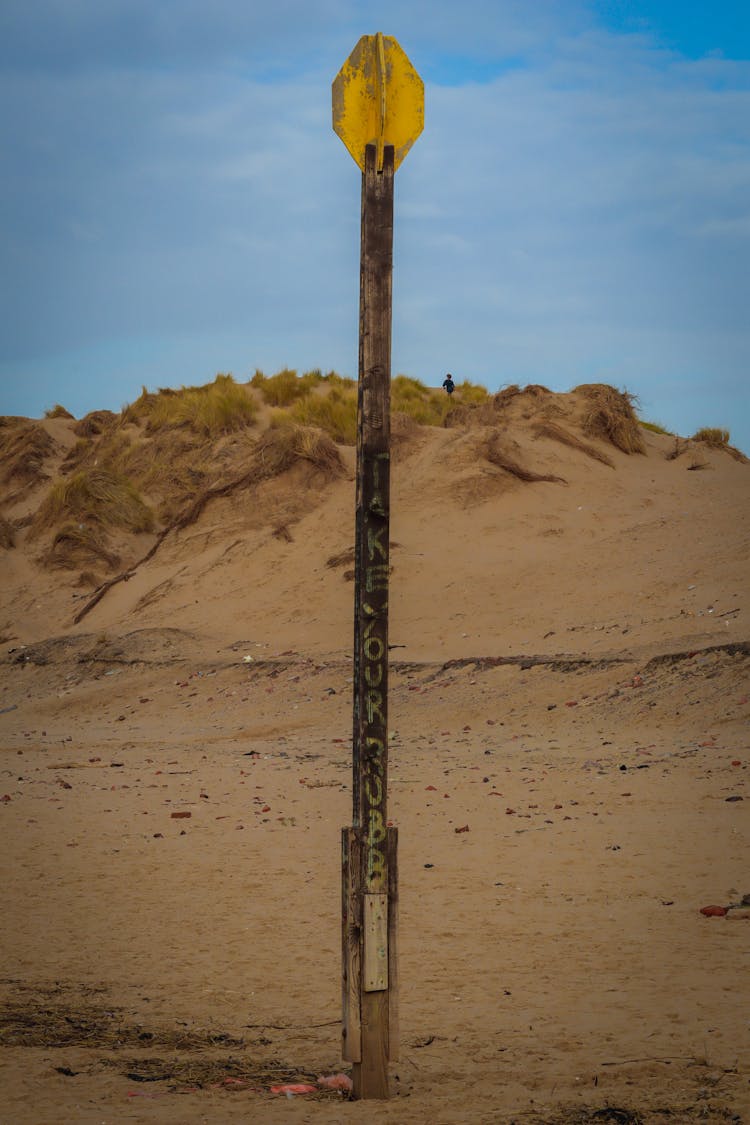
<point>464,829</point>
<point>180,815</point>
<point>714,911</point>
<point>336,1082</point>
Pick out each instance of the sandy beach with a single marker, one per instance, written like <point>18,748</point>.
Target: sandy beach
<point>569,758</point>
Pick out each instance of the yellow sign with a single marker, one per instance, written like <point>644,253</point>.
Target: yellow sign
<point>378,99</point>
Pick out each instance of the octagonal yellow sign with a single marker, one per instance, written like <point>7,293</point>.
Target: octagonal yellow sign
<point>378,99</point>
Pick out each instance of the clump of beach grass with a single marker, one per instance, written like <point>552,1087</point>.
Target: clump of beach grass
<point>335,412</point>
<point>713,436</point>
<point>80,545</point>
<point>717,438</point>
<point>283,446</point>
<point>220,407</point>
<point>422,404</point>
<point>96,422</point>
<point>94,497</point>
<point>610,414</point>
<point>23,450</point>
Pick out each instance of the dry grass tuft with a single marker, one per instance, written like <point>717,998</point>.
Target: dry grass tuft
<point>78,545</point>
<point>424,405</point>
<point>610,415</point>
<point>95,422</point>
<point>285,387</point>
<point>499,457</point>
<point>94,497</point>
<point>221,407</point>
<point>506,395</point>
<point>77,455</point>
<point>335,412</point>
<point>716,438</point>
<point>548,429</point>
<point>281,447</point>
<point>467,393</point>
<point>23,450</point>
<point>168,466</point>
<point>58,411</point>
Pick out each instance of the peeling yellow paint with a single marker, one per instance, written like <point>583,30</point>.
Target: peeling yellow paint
<point>378,99</point>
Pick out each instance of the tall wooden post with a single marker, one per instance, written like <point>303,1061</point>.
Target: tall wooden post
<point>370,733</point>
<point>378,131</point>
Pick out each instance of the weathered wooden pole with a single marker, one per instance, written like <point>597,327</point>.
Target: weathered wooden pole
<point>370,733</point>
<point>378,129</point>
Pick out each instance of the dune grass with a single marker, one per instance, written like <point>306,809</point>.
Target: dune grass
<point>716,438</point>
<point>424,405</point>
<point>94,496</point>
<point>610,414</point>
<point>334,412</point>
<point>23,450</point>
<point>281,389</point>
<point>282,446</point>
<point>713,436</point>
<point>221,407</point>
<point>57,411</point>
<point>96,422</point>
<point>286,387</point>
<point>80,545</point>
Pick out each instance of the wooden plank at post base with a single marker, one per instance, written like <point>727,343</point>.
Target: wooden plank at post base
<point>351,934</point>
<point>370,1076</point>
<point>375,922</point>
<point>393,1009</point>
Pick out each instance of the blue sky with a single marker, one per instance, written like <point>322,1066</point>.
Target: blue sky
<point>174,202</point>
